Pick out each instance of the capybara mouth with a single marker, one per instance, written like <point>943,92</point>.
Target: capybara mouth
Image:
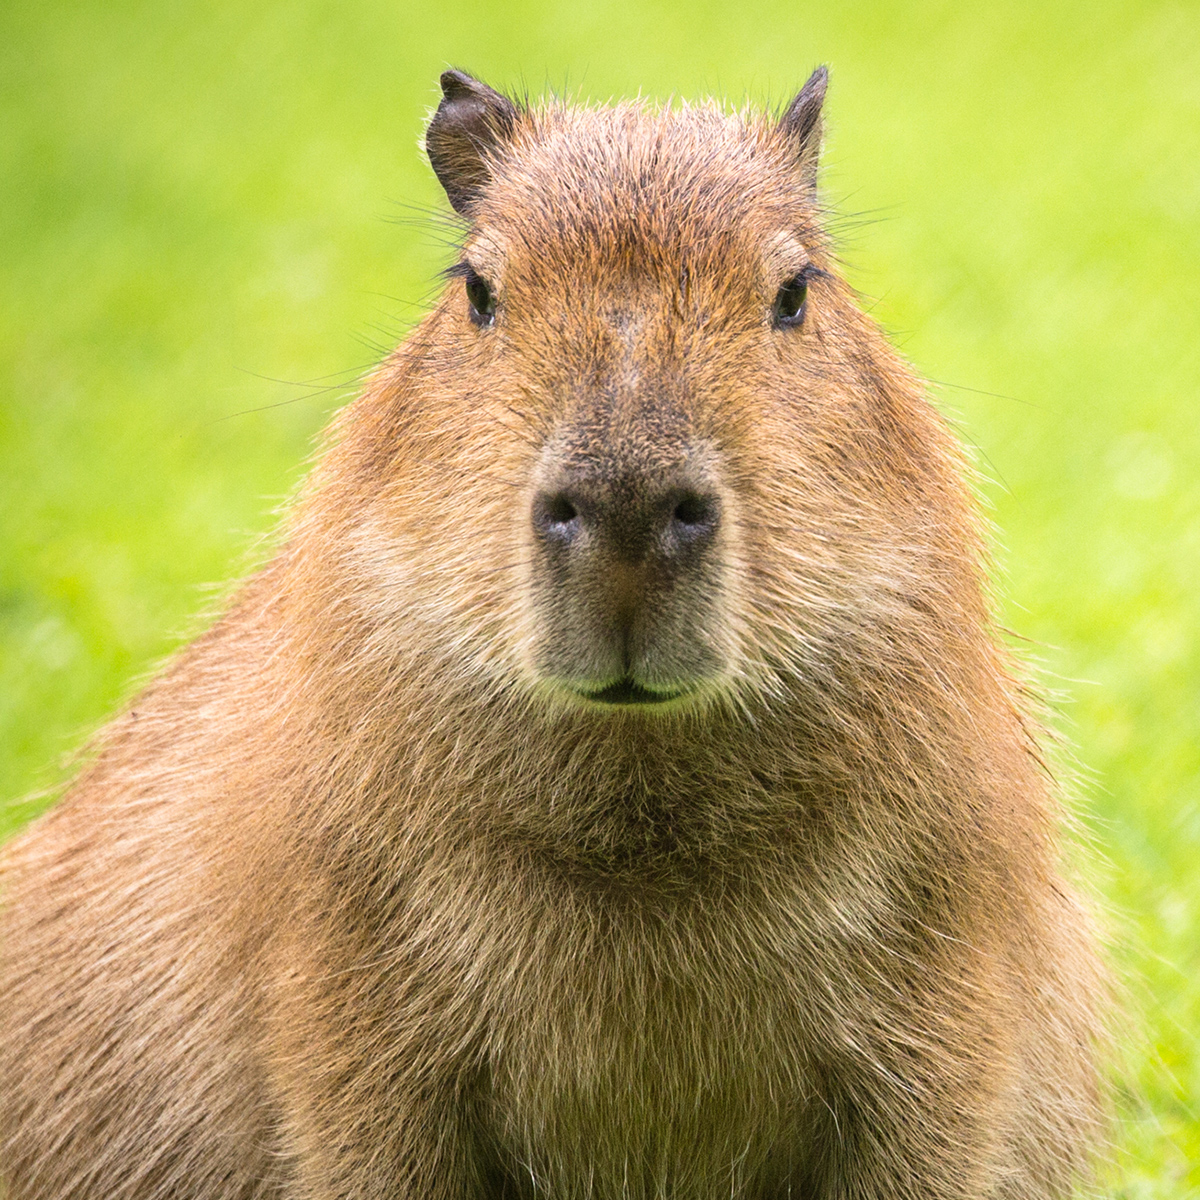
<point>626,691</point>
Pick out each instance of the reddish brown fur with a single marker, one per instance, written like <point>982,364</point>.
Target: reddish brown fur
<point>361,899</point>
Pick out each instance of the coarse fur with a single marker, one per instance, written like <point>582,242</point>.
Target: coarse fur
<point>687,839</point>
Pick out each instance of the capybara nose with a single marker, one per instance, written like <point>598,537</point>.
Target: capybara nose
<point>632,517</point>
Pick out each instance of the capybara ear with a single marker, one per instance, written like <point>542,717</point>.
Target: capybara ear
<point>802,124</point>
<point>471,122</point>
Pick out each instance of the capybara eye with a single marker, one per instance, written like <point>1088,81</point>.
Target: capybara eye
<point>481,298</point>
<point>790,302</point>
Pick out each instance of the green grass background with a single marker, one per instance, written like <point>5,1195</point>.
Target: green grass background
<point>203,206</point>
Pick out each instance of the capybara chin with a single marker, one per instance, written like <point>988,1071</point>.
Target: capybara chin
<point>613,789</point>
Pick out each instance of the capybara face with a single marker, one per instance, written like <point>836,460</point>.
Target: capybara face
<point>663,457</point>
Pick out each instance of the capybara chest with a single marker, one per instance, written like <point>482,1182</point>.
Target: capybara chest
<point>642,1077</point>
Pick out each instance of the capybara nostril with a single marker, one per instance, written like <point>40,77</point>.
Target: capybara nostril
<point>694,518</point>
<point>556,518</point>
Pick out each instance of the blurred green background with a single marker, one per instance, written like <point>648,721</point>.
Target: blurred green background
<point>214,217</point>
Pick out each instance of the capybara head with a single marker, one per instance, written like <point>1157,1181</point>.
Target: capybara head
<point>647,453</point>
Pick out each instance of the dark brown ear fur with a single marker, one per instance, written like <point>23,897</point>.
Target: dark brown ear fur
<point>802,123</point>
<point>470,123</point>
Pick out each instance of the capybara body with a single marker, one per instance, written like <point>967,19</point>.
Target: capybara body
<point>613,789</point>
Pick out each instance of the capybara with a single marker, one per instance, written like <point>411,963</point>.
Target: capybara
<point>614,788</point>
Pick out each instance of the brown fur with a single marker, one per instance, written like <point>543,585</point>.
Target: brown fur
<point>362,898</point>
